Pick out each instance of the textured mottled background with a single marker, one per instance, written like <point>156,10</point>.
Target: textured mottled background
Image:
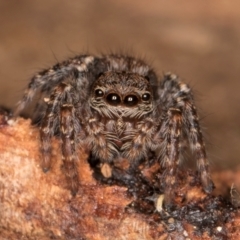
<point>198,40</point>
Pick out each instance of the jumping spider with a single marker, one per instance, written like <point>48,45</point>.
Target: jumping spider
<point>116,106</point>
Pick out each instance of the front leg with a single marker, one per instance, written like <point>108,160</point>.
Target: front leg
<point>61,118</point>
<point>168,136</point>
<point>174,93</point>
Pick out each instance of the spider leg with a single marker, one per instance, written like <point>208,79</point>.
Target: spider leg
<point>46,80</point>
<point>48,125</point>
<point>197,145</point>
<point>69,156</point>
<point>176,94</point>
<point>43,81</point>
<point>171,130</point>
<point>61,118</point>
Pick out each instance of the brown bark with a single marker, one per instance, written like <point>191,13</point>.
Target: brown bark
<point>37,205</point>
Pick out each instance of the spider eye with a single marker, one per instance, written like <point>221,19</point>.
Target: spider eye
<point>146,97</point>
<point>113,99</point>
<point>130,100</point>
<point>99,93</point>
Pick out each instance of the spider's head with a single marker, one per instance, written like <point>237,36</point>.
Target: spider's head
<point>122,94</point>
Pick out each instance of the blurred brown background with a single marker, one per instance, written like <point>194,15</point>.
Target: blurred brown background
<point>198,40</point>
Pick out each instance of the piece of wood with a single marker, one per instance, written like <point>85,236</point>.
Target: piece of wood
<point>38,205</point>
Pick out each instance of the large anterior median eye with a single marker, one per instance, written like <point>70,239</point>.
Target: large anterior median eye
<point>113,99</point>
<point>130,100</point>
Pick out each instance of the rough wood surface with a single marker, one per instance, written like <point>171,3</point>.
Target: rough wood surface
<point>35,205</point>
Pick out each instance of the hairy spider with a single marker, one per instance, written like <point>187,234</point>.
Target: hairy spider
<point>116,106</point>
